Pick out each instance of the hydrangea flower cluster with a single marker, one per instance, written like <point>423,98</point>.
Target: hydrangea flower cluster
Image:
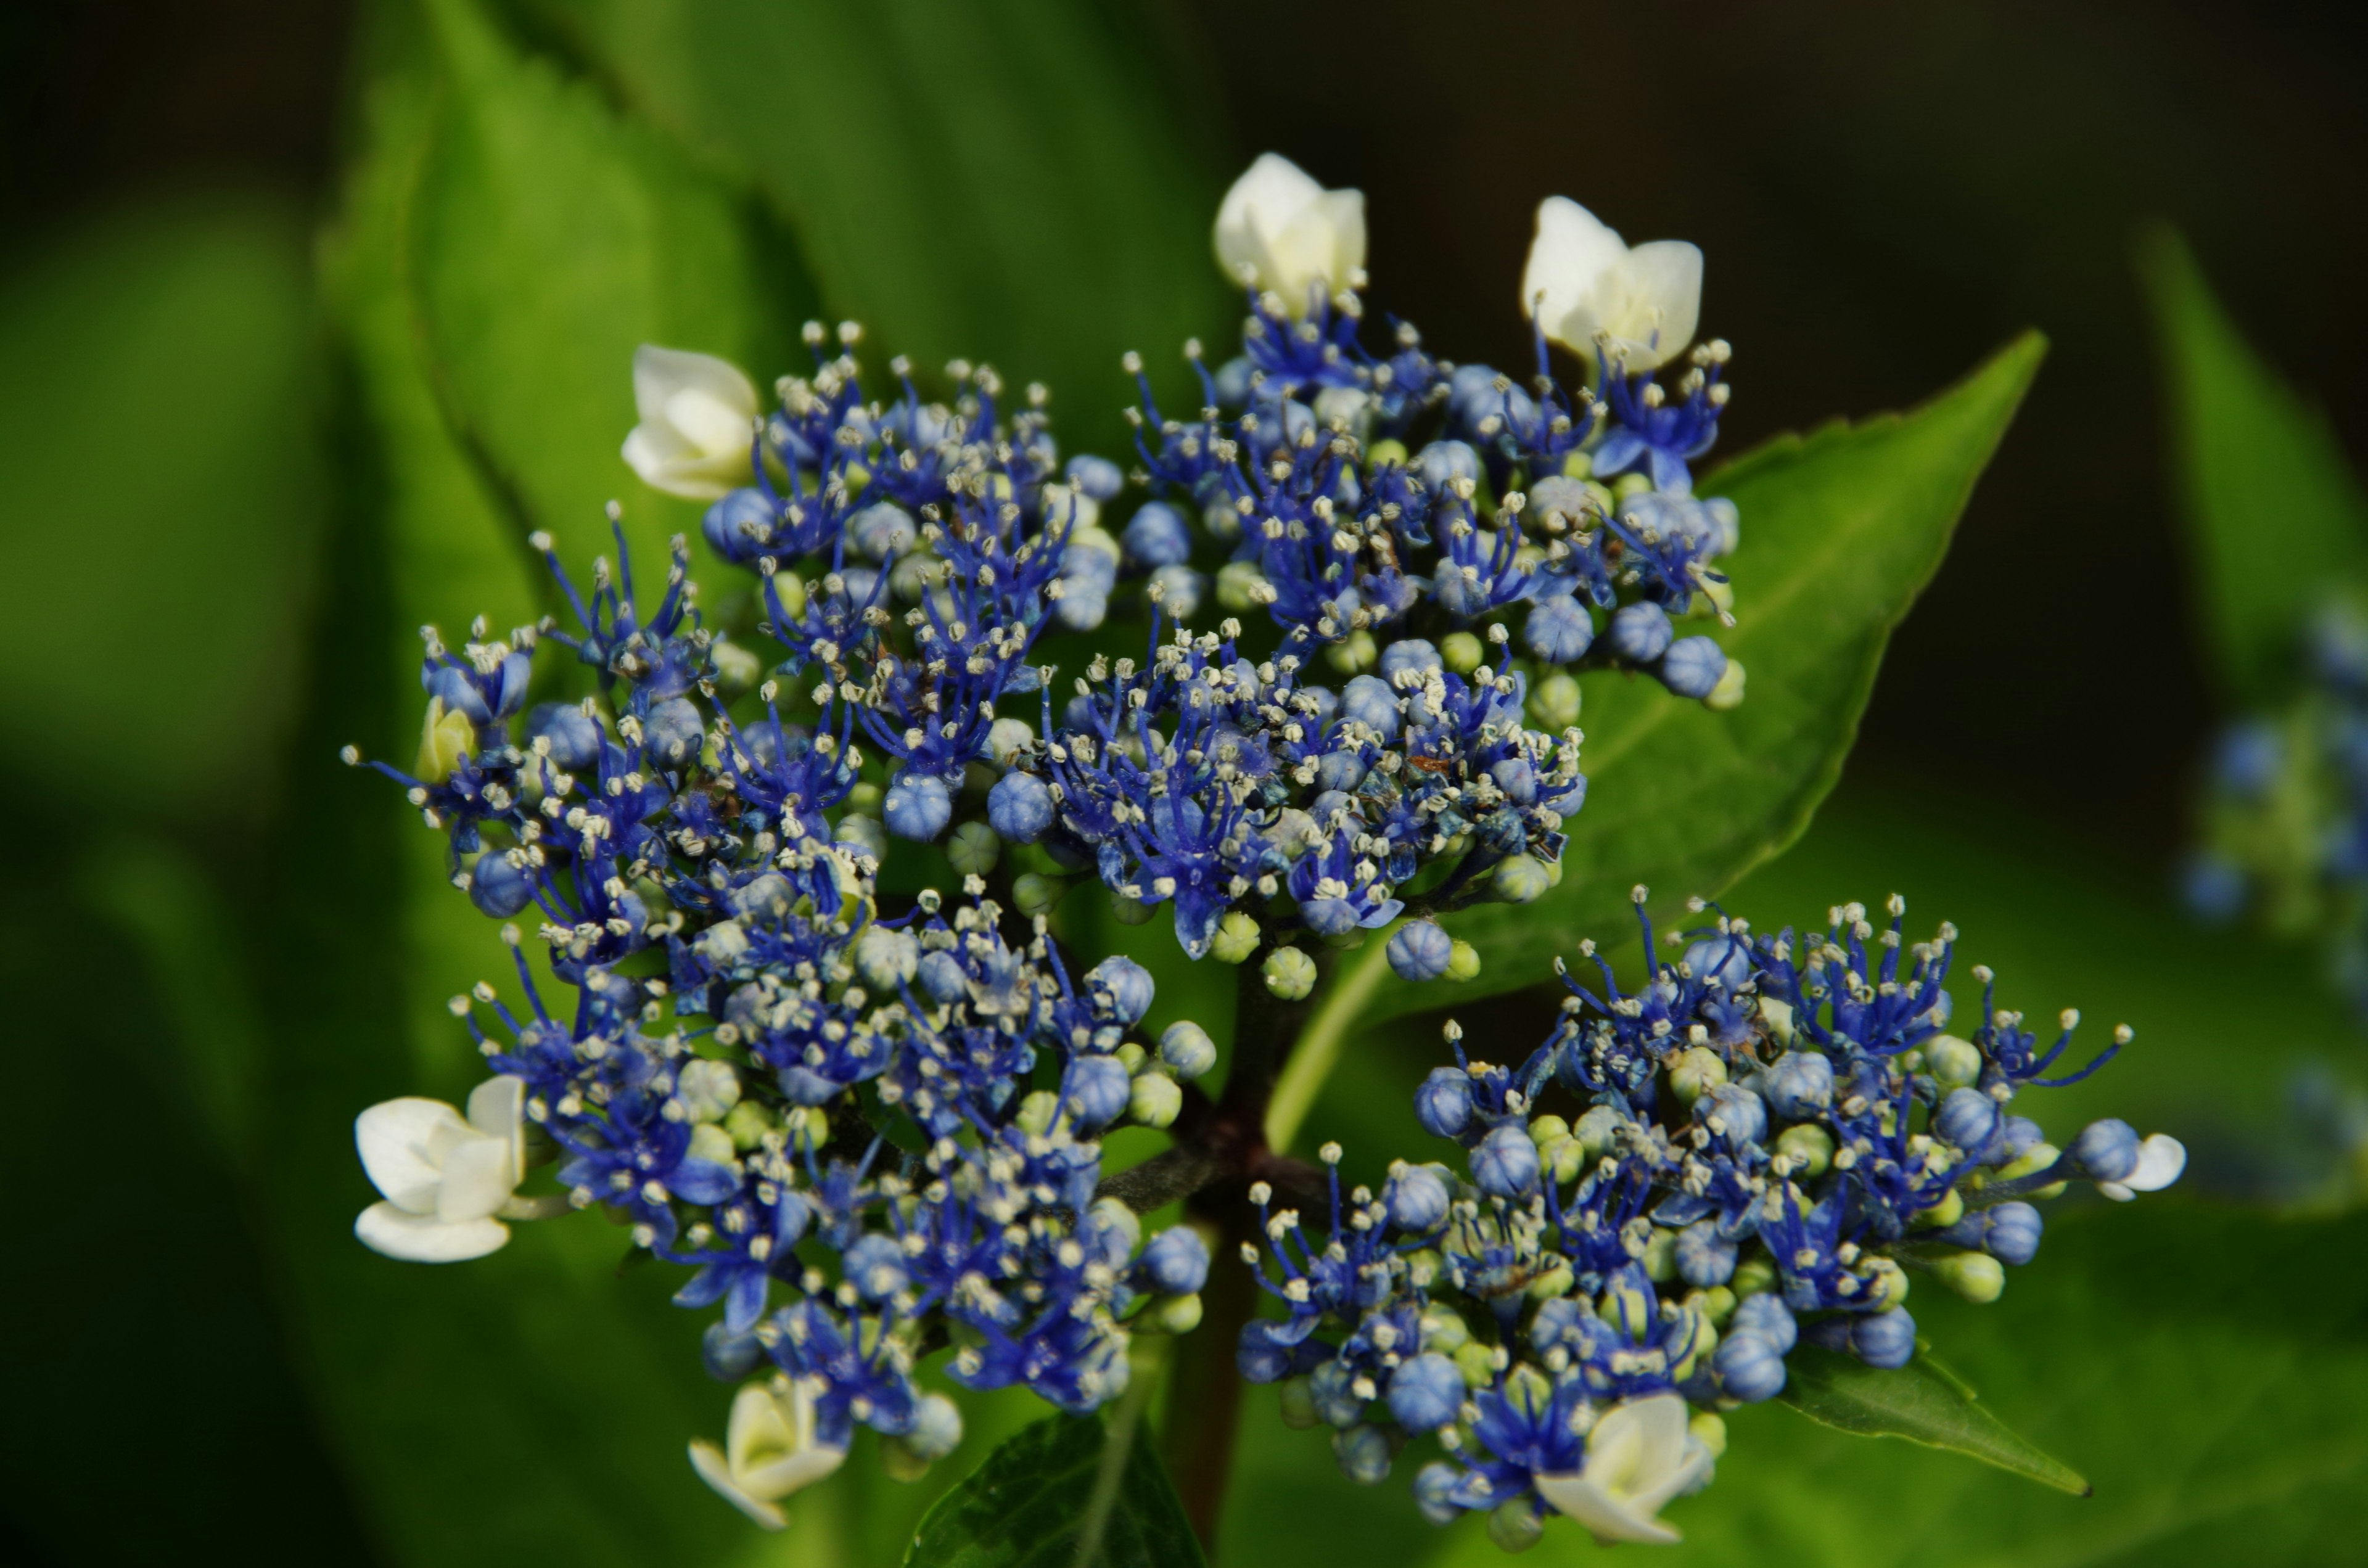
<point>1771,1138</point>
<point>2284,814</point>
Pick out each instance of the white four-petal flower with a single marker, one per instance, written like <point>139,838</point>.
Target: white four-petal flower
<point>1639,1456</point>
<point>2161,1160</point>
<point>698,416</point>
<point>769,1450</point>
<point>1279,230</point>
<point>1583,279</point>
<point>445,1178</point>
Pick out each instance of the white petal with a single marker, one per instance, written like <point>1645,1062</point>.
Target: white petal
<point>1651,302</point>
<point>497,1107</point>
<point>401,1144</point>
<point>1262,203</point>
<point>660,373</point>
<point>2161,1161</point>
<point>758,1427</point>
<point>421,1238</point>
<point>1569,256</point>
<point>2116,1191</point>
<point>1607,1517</point>
<point>708,1460</point>
<point>711,427</point>
<point>479,1174</point>
<point>780,1476</point>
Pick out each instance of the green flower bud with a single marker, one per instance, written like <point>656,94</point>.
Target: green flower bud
<point>1955,1064</point>
<point>747,1122</point>
<point>1462,653</point>
<point>1577,465</point>
<point>2038,1157</point>
<point>1717,599</point>
<point>1155,1099</point>
<point>708,1089</point>
<point>972,849</point>
<point>1520,878</point>
<point>1289,973</point>
<point>1178,1314</point>
<point>1597,1130</point>
<point>864,797</point>
<point>1391,452</point>
<point>1752,1275</point>
<point>1298,1404</point>
<point>1555,701</point>
<point>885,959</point>
<point>1132,1057</point>
<point>736,668</point>
<point>1627,1311</point>
<point>1699,1341</point>
<point>792,594</point>
<point>864,834</point>
<point>1236,938</point>
<point>1354,653</point>
<point>1660,1259</point>
<point>1241,587</point>
<point>1715,1304</point>
<point>1811,1147</point>
<point>1477,1362</point>
<point>1944,1214</point>
<point>441,741</point>
<point>1462,961</point>
<point>1976,1276</point>
<point>1515,1525</point>
<point>1777,1015</point>
<point>1710,1428</point>
<point>1443,1331</point>
<point>1629,484</point>
<point>901,1462</point>
<point>1555,1281</point>
<point>1695,1071</point>
<point>1889,1282</point>
<point>1036,894</point>
<point>1037,1111</point>
<point>708,1141</point>
<point>1132,911</point>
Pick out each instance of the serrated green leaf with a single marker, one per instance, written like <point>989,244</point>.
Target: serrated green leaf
<point>1014,183</point>
<point>1923,1402</point>
<point>1841,529</point>
<point>2275,518</point>
<point>1028,1506</point>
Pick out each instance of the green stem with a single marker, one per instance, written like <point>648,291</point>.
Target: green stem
<point>1311,1060</point>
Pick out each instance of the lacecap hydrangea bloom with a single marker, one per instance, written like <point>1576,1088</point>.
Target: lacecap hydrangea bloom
<point>796,1011</point>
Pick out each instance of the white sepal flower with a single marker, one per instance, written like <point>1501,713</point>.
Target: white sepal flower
<point>699,414</point>
<point>2161,1160</point>
<point>1582,279</point>
<point>1279,230</point>
<point>445,1178</point>
<point>1639,1456</point>
<point>769,1450</point>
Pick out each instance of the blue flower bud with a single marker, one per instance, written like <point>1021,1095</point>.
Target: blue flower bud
<point>728,1355</point>
<point>1967,1118</point>
<point>739,527</point>
<point>1692,666</point>
<point>574,734</point>
<point>1885,1339</point>
<point>2010,1233</point>
<point>942,977</point>
<point>1256,1356</point>
<point>1741,1116</point>
<point>1442,463</point>
<point>498,888</point>
<point>883,531</point>
<point>1517,778</point>
<point>1425,1393</point>
<point>1364,1455</point>
<point>917,807</point>
<point>861,582</point>
<point>1335,1401</point>
<point>1558,630</point>
<point>1340,770</point>
<point>674,731</point>
<point>1409,653</point>
<point>875,1267</point>
<point>1720,960</point>
<point>1096,1090</point>
<point>1082,608</point>
<point>1232,379</point>
<point>936,1429</point>
<point>1020,807</point>
<point>1099,478</point>
<point>1798,1086</point>
<point>1123,986</point>
<point>1187,1048</point>
<point>1176,1263</point>
<point>1766,1316</point>
<point>1434,1491</point>
<point>1704,1257</point>
<point>2212,887</point>
<point>1505,1163</point>
<point>1421,950</point>
<point>1369,700</point>
<point>1443,1103</point>
<point>1640,632</point>
<point>2105,1151</point>
<point>1417,1199</point>
<point>2018,1136</point>
<point>1181,590</point>
<point>1156,535</point>
<point>1748,1367</point>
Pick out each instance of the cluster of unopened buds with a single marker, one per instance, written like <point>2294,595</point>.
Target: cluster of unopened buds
<point>826,1052</point>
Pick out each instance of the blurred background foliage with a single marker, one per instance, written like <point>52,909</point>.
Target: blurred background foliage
<point>309,311</point>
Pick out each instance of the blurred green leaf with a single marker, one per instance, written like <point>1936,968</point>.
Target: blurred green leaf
<point>549,238</point>
<point>1841,529</point>
<point>2276,520</point>
<point>1023,184</point>
<point>1922,1403</point>
<point>165,493</point>
<point>1028,1506</point>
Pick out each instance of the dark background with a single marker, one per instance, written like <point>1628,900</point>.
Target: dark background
<point>1885,192</point>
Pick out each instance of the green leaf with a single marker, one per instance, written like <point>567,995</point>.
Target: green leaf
<point>1923,1402</point>
<point>1023,184</point>
<point>1841,529</point>
<point>1031,1505</point>
<point>2276,520</point>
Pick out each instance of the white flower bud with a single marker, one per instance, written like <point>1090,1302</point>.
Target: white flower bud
<point>699,417</point>
<point>1279,230</point>
<point>1582,279</point>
